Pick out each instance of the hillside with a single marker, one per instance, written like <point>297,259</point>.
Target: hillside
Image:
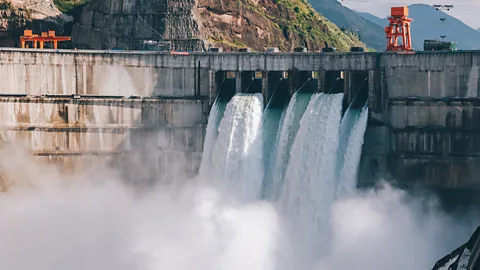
<point>69,6</point>
<point>378,21</point>
<point>202,23</point>
<point>427,25</point>
<point>369,32</point>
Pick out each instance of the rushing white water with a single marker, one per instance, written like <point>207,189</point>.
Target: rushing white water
<point>304,175</point>
<point>309,186</point>
<point>210,138</point>
<point>237,157</point>
<point>273,118</point>
<point>287,130</point>
<point>352,130</point>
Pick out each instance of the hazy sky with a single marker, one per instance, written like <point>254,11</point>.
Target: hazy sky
<point>466,10</point>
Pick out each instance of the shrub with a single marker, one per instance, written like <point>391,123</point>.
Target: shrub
<point>5,5</point>
<point>68,6</point>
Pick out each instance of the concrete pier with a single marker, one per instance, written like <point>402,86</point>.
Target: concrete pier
<point>70,105</point>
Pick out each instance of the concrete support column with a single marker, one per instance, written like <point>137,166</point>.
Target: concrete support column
<point>265,89</point>
<point>196,79</point>
<point>199,79</point>
<point>381,91</point>
<point>348,89</point>
<point>292,81</point>
<point>344,85</point>
<point>212,86</point>
<point>371,88</point>
<point>376,92</point>
<point>238,82</point>
<point>321,80</point>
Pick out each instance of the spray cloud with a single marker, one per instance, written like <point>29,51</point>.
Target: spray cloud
<point>96,220</point>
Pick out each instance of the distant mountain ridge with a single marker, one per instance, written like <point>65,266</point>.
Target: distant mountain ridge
<point>378,21</point>
<point>427,25</point>
<point>370,32</point>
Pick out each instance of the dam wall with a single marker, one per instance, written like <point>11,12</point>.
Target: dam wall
<point>80,112</point>
<point>423,128</point>
<point>74,105</point>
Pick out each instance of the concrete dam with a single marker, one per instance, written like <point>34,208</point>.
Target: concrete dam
<point>80,108</point>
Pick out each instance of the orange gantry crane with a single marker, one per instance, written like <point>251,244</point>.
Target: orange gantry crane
<point>49,36</point>
<point>399,28</point>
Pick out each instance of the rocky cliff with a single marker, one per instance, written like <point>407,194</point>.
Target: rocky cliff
<point>105,24</point>
<point>38,15</point>
<point>198,24</point>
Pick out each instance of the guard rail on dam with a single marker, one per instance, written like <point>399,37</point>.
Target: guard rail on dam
<point>74,106</point>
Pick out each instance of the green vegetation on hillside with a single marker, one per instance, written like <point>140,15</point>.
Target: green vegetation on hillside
<point>69,6</point>
<point>303,21</point>
<point>370,33</point>
<point>307,23</point>
<point>5,5</point>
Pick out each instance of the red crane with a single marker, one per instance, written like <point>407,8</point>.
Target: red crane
<point>398,32</point>
<point>49,36</point>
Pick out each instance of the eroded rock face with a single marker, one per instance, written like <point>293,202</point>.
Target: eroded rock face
<point>11,23</point>
<point>198,24</point>
<point>38,15</point>
<point>107,24</point>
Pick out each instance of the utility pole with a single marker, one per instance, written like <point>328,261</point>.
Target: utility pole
<point>447,8</point>
<point>443,29</point>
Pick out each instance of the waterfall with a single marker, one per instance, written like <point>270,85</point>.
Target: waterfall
<point>312,160</point>
<point>210,138</point>
<point>237,157</point>
<point>273,117</point>
<point>352,130</point>
<point>309,185</point>
<point>287,130</point>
